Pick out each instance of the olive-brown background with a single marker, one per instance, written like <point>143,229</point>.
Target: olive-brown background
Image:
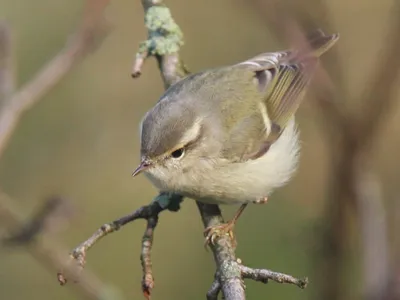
<point>81,141</point>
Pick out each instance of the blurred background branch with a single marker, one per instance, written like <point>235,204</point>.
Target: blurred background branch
<point>6,63</point>
<point>53,214</point>
<point>85,39</point>
<point>34,239</point>
<point>354,191</point>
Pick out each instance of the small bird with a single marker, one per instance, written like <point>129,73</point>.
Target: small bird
<point>228,135</point>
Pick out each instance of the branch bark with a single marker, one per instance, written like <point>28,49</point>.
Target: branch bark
<point>228,269</point>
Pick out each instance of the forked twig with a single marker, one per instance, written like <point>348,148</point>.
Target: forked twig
<point>264,276</point>
<point>150,214</point>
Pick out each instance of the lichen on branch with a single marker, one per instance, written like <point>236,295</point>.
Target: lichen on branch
<point>164,35</point>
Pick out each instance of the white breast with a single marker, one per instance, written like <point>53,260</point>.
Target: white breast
<point>252,180</point>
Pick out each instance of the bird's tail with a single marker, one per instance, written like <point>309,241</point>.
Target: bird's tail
<point>295,71</point>
<point>319,43</point>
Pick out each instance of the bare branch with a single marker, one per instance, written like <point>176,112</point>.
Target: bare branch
<point>144,212</point>
<point>164,41</point>
<point>148,212</point>
<point>379,96</point>
<point>49,254</point>
<point>145,257</point>
<point>373,224</point>
<point>6,63</point>
<point>83,41</point>
<point>49,218</point>
<point>228,269</point>
<point>264,275</point>
<point>13,105</point>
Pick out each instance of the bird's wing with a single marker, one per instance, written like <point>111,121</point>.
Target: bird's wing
<point>282,78</point>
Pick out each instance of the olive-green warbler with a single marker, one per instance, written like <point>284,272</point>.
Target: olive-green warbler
<point>228,135</point>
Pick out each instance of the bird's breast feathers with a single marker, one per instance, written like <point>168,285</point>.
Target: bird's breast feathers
<point>244,182</point>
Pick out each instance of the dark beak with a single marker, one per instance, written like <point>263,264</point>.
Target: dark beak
<point>143,166</point>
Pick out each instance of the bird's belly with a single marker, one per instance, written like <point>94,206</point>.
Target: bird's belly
<point>234,183</point>
<point>232,189</point>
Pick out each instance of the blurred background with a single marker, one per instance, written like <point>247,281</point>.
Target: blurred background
<point>81,142</point>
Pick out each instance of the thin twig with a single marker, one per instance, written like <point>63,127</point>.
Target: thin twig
<point>148,212</point>
<point>164,41</point>
<point>144,212</point>
<point>264,275</point>
<point>145,256</point>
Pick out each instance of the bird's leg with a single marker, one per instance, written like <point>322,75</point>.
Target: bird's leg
<point>212,232</point>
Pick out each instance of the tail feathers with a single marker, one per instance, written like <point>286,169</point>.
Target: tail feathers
<point>320,43</point>
<point>288,88</point>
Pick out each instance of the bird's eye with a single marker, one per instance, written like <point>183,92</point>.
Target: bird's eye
<point>178,153</point>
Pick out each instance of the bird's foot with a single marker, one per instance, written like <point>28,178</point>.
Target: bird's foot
<point>213,232</point>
